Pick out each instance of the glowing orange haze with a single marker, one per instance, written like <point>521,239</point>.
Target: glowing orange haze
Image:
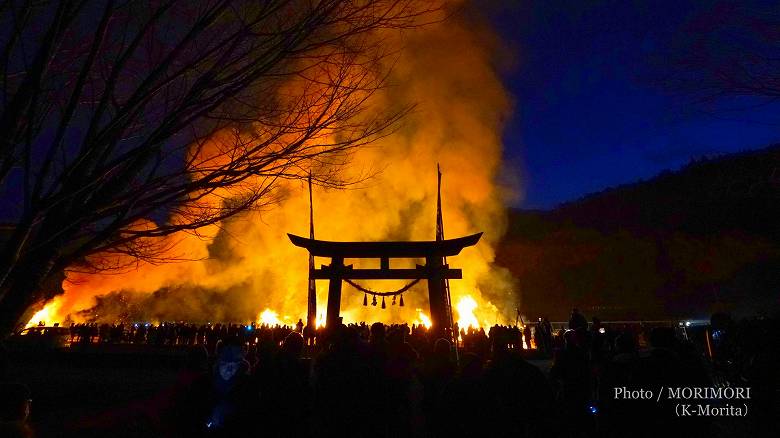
<point>447,69</point>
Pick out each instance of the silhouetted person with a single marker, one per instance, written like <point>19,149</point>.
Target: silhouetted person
<point>403,386</point>
<point>538,336</point>
<point>519,398</point>
<point>577,321</point>
<point>221,402</point>
<point>465,401</point>
<point>345,391</point>
<point>546,334</point>
<point>619,417</point>
<point>570,368</point>
<point>438,372</point>
<point>378,338</point>
<point>285,406</point>
<point>15,410</point>
<point>527,336</point>
<point>759,361</point>
<point>309,334</point>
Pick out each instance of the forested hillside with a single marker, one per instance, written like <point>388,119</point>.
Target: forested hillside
<point>685,243</point>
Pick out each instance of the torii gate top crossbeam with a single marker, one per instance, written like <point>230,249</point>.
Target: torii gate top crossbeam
<point>411,249</point>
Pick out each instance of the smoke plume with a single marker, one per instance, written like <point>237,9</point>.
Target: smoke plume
<point>238,269</point>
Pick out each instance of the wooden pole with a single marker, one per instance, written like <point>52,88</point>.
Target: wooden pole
<point>332,319</point>
<point>445,283</point>
<point>311,313</point>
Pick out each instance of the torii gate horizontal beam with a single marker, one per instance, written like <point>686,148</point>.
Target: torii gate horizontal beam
<point>421,272</point>
<point>413,249</point>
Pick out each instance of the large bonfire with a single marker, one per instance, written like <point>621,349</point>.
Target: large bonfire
<point>245,269</point>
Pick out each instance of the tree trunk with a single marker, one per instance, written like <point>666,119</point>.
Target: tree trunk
<point>22,289</point>
<point>12,250</point>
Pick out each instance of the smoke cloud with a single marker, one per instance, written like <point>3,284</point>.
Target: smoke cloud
<point>245,265</point>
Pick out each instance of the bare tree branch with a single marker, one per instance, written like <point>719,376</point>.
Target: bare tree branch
<point>135,120</point>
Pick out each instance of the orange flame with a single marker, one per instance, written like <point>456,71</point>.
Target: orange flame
<point>48,315</point>
<point>423,319</point>
<point>466,307</point>
<point>247,263</point>
<point>268,317</point>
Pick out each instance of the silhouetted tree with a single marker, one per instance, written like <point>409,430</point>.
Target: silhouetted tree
<point>124,121</point>
<point>730,49</point>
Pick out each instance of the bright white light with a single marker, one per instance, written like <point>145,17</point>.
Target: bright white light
<point>466,317</point>
<point>269,317</point>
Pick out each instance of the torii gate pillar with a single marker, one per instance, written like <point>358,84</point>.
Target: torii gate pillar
<point>332,319</point>
<point>437,298</point>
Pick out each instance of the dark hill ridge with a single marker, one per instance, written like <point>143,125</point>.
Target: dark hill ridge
<point>683,244</point>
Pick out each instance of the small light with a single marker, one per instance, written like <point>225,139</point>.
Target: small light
<point>687,323</point>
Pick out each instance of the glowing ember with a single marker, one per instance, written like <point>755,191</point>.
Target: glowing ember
<point>466,317</point>
<point>423,319</point>
<point>269,317</point>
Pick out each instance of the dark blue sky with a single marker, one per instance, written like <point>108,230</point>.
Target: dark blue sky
<point>590,112</point>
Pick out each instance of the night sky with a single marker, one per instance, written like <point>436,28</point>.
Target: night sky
<point>589,111</point>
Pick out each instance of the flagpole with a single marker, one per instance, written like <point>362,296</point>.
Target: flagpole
<point>311,314</point>
<point>439,237</point>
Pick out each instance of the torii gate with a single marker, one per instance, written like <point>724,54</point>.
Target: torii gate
<point>435,271</point>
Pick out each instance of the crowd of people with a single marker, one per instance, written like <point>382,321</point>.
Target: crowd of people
<point>472,339</point>
<point>364,381</point>
<point>174,333</point>
<point>397,380</point>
